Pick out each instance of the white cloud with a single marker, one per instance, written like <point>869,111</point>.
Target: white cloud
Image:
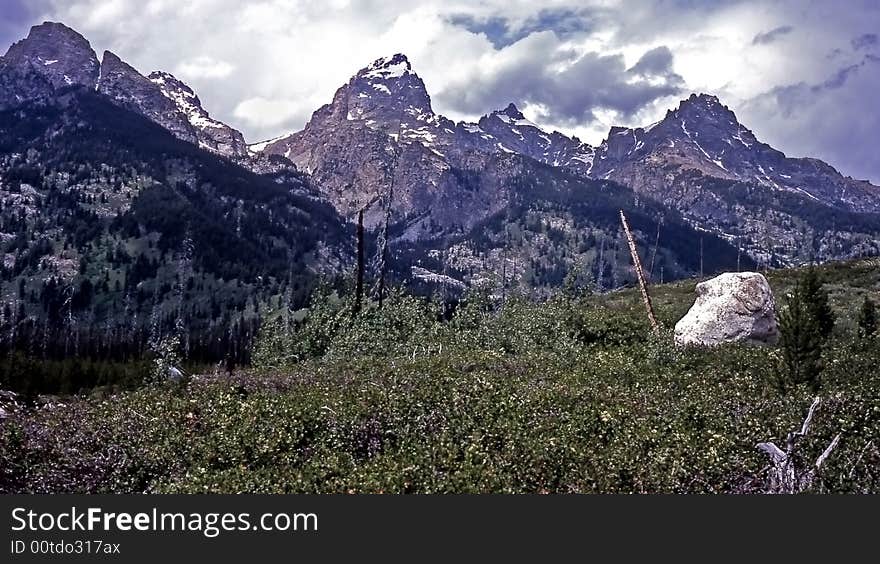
<point>203,67</point>
<point>265,113</point>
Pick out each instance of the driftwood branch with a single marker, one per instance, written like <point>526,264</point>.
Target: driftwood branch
<point>637,264</point>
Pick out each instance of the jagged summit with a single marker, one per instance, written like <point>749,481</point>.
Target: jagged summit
<point>387,84</point>
<point>53,56</point>
<point>56,52</point>
<point>51,35</point>
<point>705,107</point>
<point>512,112</point>
<point>512,116</point>
<point>387,67</point>
<point>702,98</point>
<point>212,134</point>
<point>111,61</point>
<point>703,136</point>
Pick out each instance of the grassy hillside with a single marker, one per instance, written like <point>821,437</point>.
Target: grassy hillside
<point>571,395</point>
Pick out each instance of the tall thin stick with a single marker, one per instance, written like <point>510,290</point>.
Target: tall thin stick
<point>382,238</point>
<point>637,264</point>
<point>701,256</point>
<point>359,284</point>
<point>654,252</point>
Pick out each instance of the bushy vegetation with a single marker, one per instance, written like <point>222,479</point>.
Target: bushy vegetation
<point>805,323</point>
<point>571,395</point>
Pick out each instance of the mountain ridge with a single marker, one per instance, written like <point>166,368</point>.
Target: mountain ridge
<point>379,146</point>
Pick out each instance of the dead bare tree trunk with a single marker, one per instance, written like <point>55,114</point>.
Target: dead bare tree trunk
<point>382,239</point>
<point>359,281</point>
<point>654,252</point>
<point>739,249</point>
<point>701,256</point>
<point>637,264</point>
<point>785,476</point>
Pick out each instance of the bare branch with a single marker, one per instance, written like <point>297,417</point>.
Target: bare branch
<point>827,453</point>
<point>859,459</point>
<point>786,475</point>
<point>806,426</point>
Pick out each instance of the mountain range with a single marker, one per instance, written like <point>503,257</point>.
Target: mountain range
<point>124,203</point>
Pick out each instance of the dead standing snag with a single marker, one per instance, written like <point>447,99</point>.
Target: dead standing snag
<point>637,264</point>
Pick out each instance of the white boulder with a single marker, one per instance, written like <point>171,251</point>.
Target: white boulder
<point>732,307</point>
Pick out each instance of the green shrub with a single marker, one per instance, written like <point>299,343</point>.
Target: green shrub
<point>640,417</point>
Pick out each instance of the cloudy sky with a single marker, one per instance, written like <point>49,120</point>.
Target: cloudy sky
<point>804,75</point>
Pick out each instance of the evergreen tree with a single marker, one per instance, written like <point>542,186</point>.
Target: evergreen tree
<point>801,343</point>
<point>867,318</point>
<point>815,298</point>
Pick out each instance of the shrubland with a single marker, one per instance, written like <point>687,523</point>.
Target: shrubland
<point>569,395</point>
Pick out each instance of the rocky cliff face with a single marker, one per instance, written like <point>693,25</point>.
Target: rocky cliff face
<point>380,138</point>
<point>212,134</point>
<point>57,53</point>
<point>379,141</point>
<point>129,89</point>
<point>520,135</point>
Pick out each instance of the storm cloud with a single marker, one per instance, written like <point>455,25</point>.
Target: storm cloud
<point>567,87</point>
<point>579,66</point>
<point>504,31</point>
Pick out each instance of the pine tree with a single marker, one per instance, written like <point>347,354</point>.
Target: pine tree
<point>867,319</point>
<point>815,298</point>
<point>801,343</point>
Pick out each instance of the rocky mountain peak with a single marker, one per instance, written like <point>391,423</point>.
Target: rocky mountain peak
<point>516,134</point>
<point>212,134</point>
<point>511,116</point>
<point>171,86</point>
<point>56,52</point>
<point>384,89</point>
<point>704,111</point>
<point>123,84</point>
<point>110,62</point>
<point>701,99</point>
<point>512,112</point>
<point>387,67</point>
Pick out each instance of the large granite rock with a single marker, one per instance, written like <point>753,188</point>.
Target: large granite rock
<point>732,307</point>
